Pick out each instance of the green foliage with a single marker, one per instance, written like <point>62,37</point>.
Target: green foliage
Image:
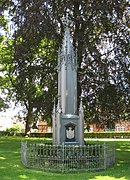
<point>100,33</point>
<point>14,130</point>
<point>35,79</point>
<point>5,84</point>
<point>3,105</point>
<point>114,135</point>
<point>107,135</point>
<point>3,24</point>
<point>41,135</point>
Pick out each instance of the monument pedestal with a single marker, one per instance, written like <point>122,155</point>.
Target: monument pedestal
<point>68,129</point>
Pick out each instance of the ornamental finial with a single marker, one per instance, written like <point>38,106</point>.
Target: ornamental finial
<point>81,105</point>
<point>66,21</point>
<point>59,104</point>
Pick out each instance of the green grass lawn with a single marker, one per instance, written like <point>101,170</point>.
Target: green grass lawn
<point>11,167</point>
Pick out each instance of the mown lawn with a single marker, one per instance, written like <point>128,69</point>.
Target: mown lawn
<point>11,167</point>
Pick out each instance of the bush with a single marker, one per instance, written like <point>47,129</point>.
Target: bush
<point>4,133</point>
<point>43,135</point>
<point>88,135</point>
<point>13,130</point>
<point>107,135</point>
<point>16,131</point>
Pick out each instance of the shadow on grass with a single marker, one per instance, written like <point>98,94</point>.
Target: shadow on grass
<point>11,167</point>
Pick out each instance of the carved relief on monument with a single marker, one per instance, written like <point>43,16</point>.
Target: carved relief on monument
<point>70,132</point>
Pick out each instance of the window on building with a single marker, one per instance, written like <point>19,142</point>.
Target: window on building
<point>120,128</point>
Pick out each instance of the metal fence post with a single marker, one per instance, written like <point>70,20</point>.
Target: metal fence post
<point>105,156</point>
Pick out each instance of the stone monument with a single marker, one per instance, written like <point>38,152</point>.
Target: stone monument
<point>68,122</point>
<point>68,152</point>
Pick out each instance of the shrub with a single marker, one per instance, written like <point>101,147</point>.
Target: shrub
<point>107,135</point>
<point>43,135</point>
<point>14,130</point>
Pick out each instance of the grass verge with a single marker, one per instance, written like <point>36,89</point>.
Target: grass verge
<point>11,167</point>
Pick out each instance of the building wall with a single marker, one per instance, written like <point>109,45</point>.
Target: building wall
<point>43,127</point>
<point>120,126</point>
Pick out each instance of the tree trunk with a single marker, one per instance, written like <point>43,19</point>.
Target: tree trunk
<point>28,121</point>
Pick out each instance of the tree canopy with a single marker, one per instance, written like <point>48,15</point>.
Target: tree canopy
<point>3,79</point>
<point>100,32</point>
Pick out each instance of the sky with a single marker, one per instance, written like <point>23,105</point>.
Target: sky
<point>6,117</point>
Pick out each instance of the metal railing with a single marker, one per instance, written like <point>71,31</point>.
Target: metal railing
<point>67,158</point>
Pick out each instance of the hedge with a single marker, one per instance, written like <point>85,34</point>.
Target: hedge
<point>43,135</point>
<point>89,135</point>
<point>9,133</point>
<point>107,135</point>
<point>86,135</point>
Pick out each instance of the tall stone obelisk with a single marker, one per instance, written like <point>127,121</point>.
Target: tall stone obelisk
<point>68,123</point>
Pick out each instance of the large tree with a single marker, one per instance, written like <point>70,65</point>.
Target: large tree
<point>35,74</point>
<point>100,33</point>
<point>3,52</point>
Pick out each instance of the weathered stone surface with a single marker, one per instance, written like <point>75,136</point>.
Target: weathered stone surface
<point>67,122</point>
